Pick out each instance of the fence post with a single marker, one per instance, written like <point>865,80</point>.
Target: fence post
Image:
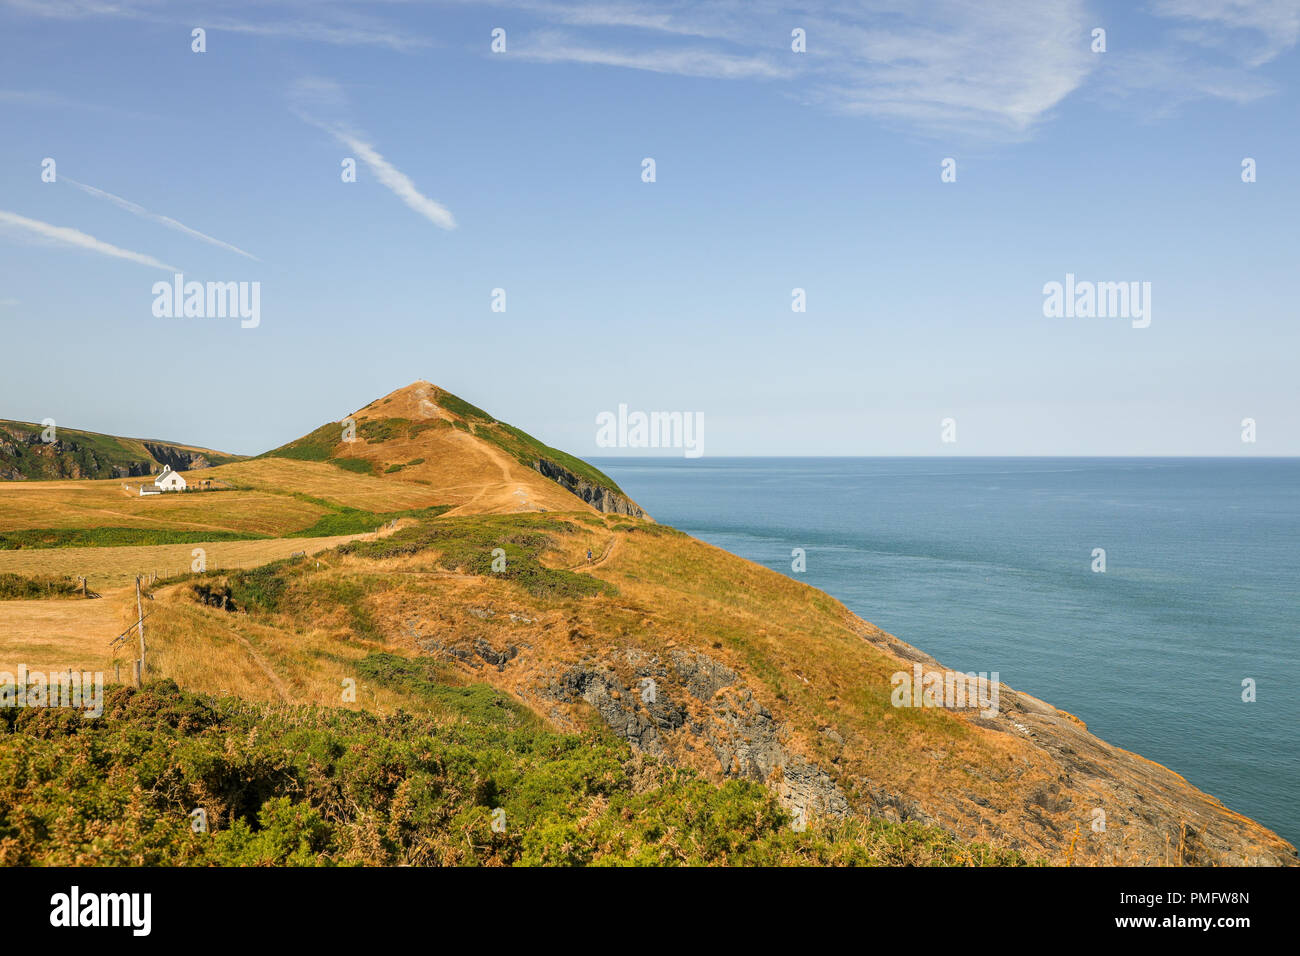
<point>139,608</point>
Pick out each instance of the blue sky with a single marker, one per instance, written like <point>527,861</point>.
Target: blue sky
<point>775,170</point>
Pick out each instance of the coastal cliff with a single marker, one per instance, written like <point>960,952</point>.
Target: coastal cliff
<point>598,496</point>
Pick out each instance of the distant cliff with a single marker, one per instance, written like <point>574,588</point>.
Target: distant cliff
<point>26,455</point>
<point>598,496</point>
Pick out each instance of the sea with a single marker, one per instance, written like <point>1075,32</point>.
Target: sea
<point>1147,596</point>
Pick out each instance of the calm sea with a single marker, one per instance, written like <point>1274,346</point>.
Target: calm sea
<point>987,564</point>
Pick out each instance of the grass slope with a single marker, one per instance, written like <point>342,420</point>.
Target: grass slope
<point>325,443</point>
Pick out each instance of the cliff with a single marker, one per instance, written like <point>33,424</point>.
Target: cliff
<point>25,455</point>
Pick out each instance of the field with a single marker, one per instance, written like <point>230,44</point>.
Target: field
<point>272,501</point>
<point>108,568</point>
<point>74,632</point>
<point>270,497</point>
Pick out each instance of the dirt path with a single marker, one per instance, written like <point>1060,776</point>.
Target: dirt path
<point>605,555</point>
<point>280,687</point>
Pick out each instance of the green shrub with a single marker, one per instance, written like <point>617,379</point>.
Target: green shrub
<point>15,587</point>
<point>297,786</point>
<point>360,466</point>
<point>113,537</point>
<point>355,521</point>
<point>378,430</point>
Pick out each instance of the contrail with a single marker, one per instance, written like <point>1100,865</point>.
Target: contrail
<point>165,220</point>
<point>388,174</point>
<point>75,237</point>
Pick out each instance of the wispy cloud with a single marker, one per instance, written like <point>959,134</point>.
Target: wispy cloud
<point>1206,49</point>
<point>8,303</point>
<point>553,47</point>
<point>314,30</point>
<point>995,70</point>
<point>313,94</point>
<point>75,237</point>
<point>982,69</point>
<point>167,221</point>
<point>937,65</point>
<point>322,22</point>
<point>991,70</point>
<point>1259,30</point>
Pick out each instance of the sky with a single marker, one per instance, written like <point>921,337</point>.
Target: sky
<point>921,170</point>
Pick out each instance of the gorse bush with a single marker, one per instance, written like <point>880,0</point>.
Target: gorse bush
<point>428,680</point>
<point>15,587</point>
<point>314,786</point>
<point>377,430</point>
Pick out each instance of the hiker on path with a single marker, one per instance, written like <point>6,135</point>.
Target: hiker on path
<point>589,555</point>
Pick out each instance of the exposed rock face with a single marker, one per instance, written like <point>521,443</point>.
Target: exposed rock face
<point>24,455</point>
<point>180,459</point>
<point>599,497</point>
<point>667,708</point>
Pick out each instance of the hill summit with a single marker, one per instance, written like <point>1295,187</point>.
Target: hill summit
<point>478,463</point>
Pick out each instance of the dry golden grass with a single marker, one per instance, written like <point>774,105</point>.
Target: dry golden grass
<point>459,470</point>
<point>52,635</point>
<point>474,476</point>
<point>109,568</point>
<point>226,654</point>
<point>106,504</point>
<point>55,635</point>
<point>322,480</point>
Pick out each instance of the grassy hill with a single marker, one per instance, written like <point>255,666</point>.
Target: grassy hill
<point>81,454</point>
<point>422,433</point>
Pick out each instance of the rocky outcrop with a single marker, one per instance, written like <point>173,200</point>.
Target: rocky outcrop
<point>1086,789</point>
<point>24,454</point>
<point>179,459</point>
<point>598,496</point>
<point>690,701</point>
